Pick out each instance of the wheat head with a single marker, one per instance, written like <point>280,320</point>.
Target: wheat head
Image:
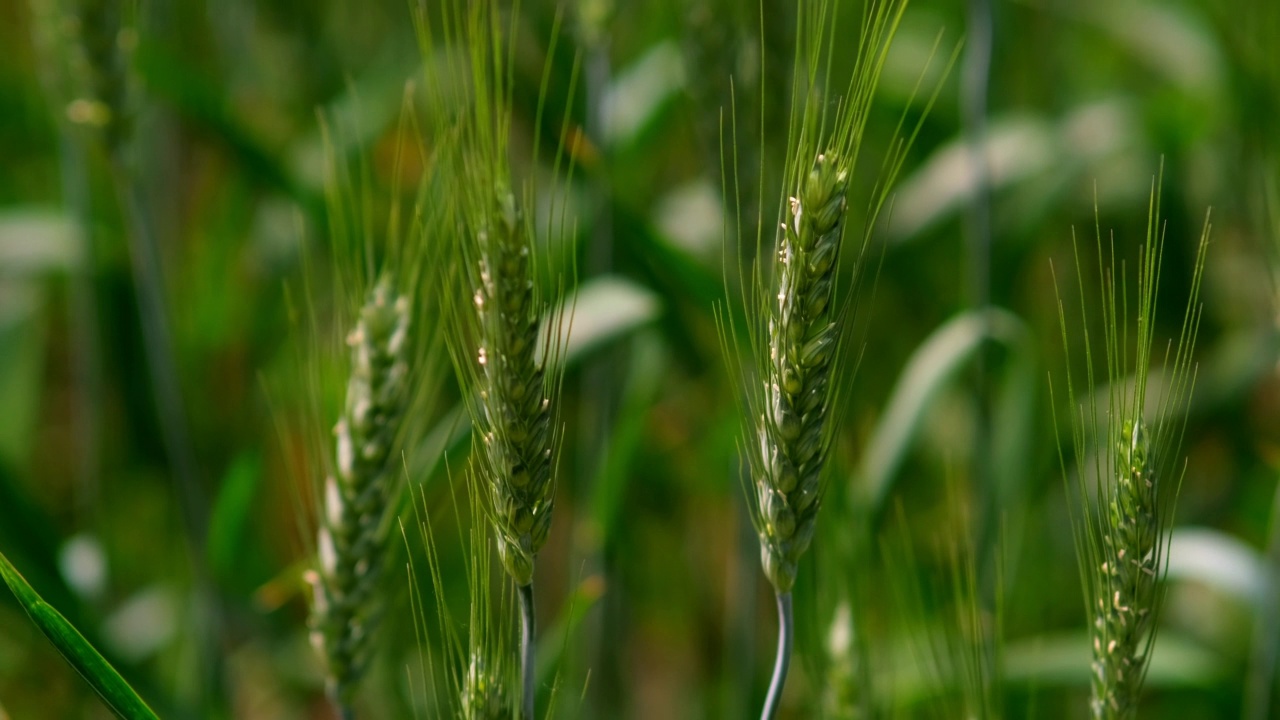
<point>1127,578</point>
<point>802,342</point>
<point>516,416</point>
<point>357,498</point>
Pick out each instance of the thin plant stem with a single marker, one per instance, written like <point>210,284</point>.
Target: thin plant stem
<point>170,411</point>
<point>783,661</point>
<point>975,85</point>
<point>526,651</point>
<point>86,367</point>
<point>1260,683</point>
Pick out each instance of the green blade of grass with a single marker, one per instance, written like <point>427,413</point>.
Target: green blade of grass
<point>933,365</point>
<point>101,676</point>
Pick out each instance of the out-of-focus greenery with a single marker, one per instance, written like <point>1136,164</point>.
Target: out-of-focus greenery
<point>944,562</point>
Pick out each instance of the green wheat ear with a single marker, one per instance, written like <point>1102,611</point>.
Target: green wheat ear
<point>506,340</point>
<point>802,344</point>
<point>381,294</point>
<point>796,318</point>
<point>796,315</point>
<point>516,419</point>
<point>358,496</point>
<point>1128,464</point>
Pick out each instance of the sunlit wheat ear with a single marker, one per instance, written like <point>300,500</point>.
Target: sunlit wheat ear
<point>516,410</point>
<point>357,497</point>
<point>802,343</point>
<point>796,317</point>
<point>1127,439</point>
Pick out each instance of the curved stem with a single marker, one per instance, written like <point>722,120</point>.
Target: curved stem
<point>526,649</point>
<point>783,661</point>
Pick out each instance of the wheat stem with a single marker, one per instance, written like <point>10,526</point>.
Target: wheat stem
<point>527,649</point>
<point>783,661</point>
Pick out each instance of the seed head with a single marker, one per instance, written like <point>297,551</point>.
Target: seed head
<point>516,410</point>
<point>357,499</point>
<point>802,341</point>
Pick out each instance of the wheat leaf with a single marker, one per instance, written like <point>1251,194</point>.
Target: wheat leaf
<point>115,692</point>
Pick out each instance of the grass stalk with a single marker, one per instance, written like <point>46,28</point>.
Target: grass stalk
<point>103,106</point>
<point>782,662</point>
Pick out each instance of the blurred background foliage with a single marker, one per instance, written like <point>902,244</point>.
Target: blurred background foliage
<point>944,579</point>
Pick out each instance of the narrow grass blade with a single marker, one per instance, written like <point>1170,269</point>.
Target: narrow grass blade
<point>933,365</point>
<point>115,692</point>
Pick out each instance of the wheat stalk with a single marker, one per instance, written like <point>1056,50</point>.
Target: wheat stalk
<point>515,421</point>
<point>358,496</point>
<point>1123,543</point>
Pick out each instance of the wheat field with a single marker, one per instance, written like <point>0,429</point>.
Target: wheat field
<point>679,359</point>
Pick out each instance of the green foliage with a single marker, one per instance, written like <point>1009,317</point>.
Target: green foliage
<point>96,671</point>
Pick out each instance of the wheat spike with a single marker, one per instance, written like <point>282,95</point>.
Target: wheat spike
<point>516,412</point>
<point>482,692</point>
<point>1131,434</point>
<point>1126,597</point>
<point>802,342</point>
<point>357,498</point>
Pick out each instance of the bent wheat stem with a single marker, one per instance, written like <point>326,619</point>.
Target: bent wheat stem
<point>782,662</point>
<point>527,649</point>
